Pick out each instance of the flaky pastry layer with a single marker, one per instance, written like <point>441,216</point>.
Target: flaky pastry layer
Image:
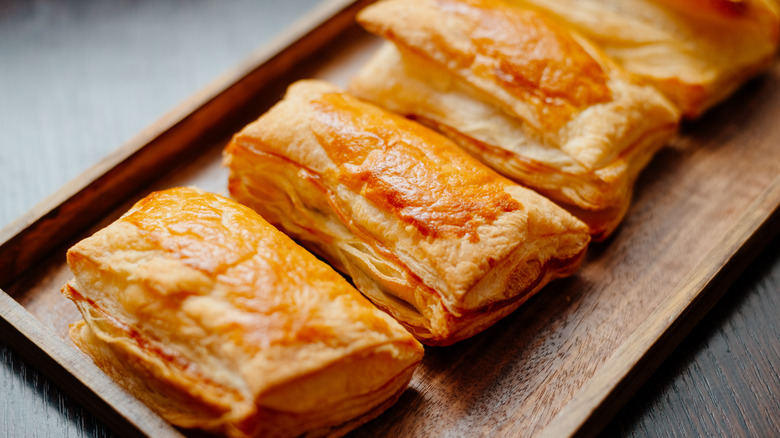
<point>218,321</point>
<point>429,234</point>
<point>525,96</point>
<point>697,52</point>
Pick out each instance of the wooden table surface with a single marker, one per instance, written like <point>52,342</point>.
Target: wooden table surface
<point>77,78</point>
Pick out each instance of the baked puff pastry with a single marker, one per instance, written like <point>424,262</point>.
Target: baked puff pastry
<point>525,96</point>
<point>696,52</point>
<point>430,235</point>
<point>218,321</point>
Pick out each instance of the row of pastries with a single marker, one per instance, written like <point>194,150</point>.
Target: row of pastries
<point>470,162</point>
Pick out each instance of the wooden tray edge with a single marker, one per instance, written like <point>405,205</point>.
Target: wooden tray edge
<point>77,375</point>
<point>46,226</point>
<point>597,402</point>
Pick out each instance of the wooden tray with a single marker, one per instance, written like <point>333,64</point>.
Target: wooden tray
<point>561,365</point>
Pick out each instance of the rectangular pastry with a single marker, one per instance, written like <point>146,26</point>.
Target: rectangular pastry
<point>218,321</point>
<point>527,97</point>
<point>429,234</point>
<point>696,52</point>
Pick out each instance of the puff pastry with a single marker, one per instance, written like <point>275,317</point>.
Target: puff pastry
<point>429,234</point>
<point>218,321</point>
<point>696,52</point>
<point>527,97</point>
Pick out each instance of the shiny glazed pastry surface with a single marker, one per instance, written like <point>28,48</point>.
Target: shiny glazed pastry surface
<point>218,321</point>
<point>526,96</point>
<point>695,51</point>
<point>429,234</point>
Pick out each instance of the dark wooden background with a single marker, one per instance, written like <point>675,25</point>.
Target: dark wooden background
<point>77,78</point>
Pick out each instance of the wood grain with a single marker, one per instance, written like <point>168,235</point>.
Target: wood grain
<point>573,340</point>
<point>77,375</point>
<point>723,379</point>
<point>32,405</point>
<point>638,356</point>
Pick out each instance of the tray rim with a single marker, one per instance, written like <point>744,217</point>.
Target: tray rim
<point>586,413</point>
<point>324,22</point>
<point>599,399</point>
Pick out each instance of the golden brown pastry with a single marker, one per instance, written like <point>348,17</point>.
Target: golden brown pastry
<point>696,52</point>
<point>430,235</point>
<point>527,97</point>
<point>218,321</point>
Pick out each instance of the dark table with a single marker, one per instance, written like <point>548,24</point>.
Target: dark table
<point>77,78</point>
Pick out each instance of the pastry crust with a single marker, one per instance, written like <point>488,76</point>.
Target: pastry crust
<point>430,235</point>
<point>527,97</point>
<point>697,52</point>
<point>218,321</point>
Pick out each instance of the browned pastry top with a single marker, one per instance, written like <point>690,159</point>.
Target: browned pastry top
<point>409,170</point>
<point>531,58</point>
<point>263,273</point>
